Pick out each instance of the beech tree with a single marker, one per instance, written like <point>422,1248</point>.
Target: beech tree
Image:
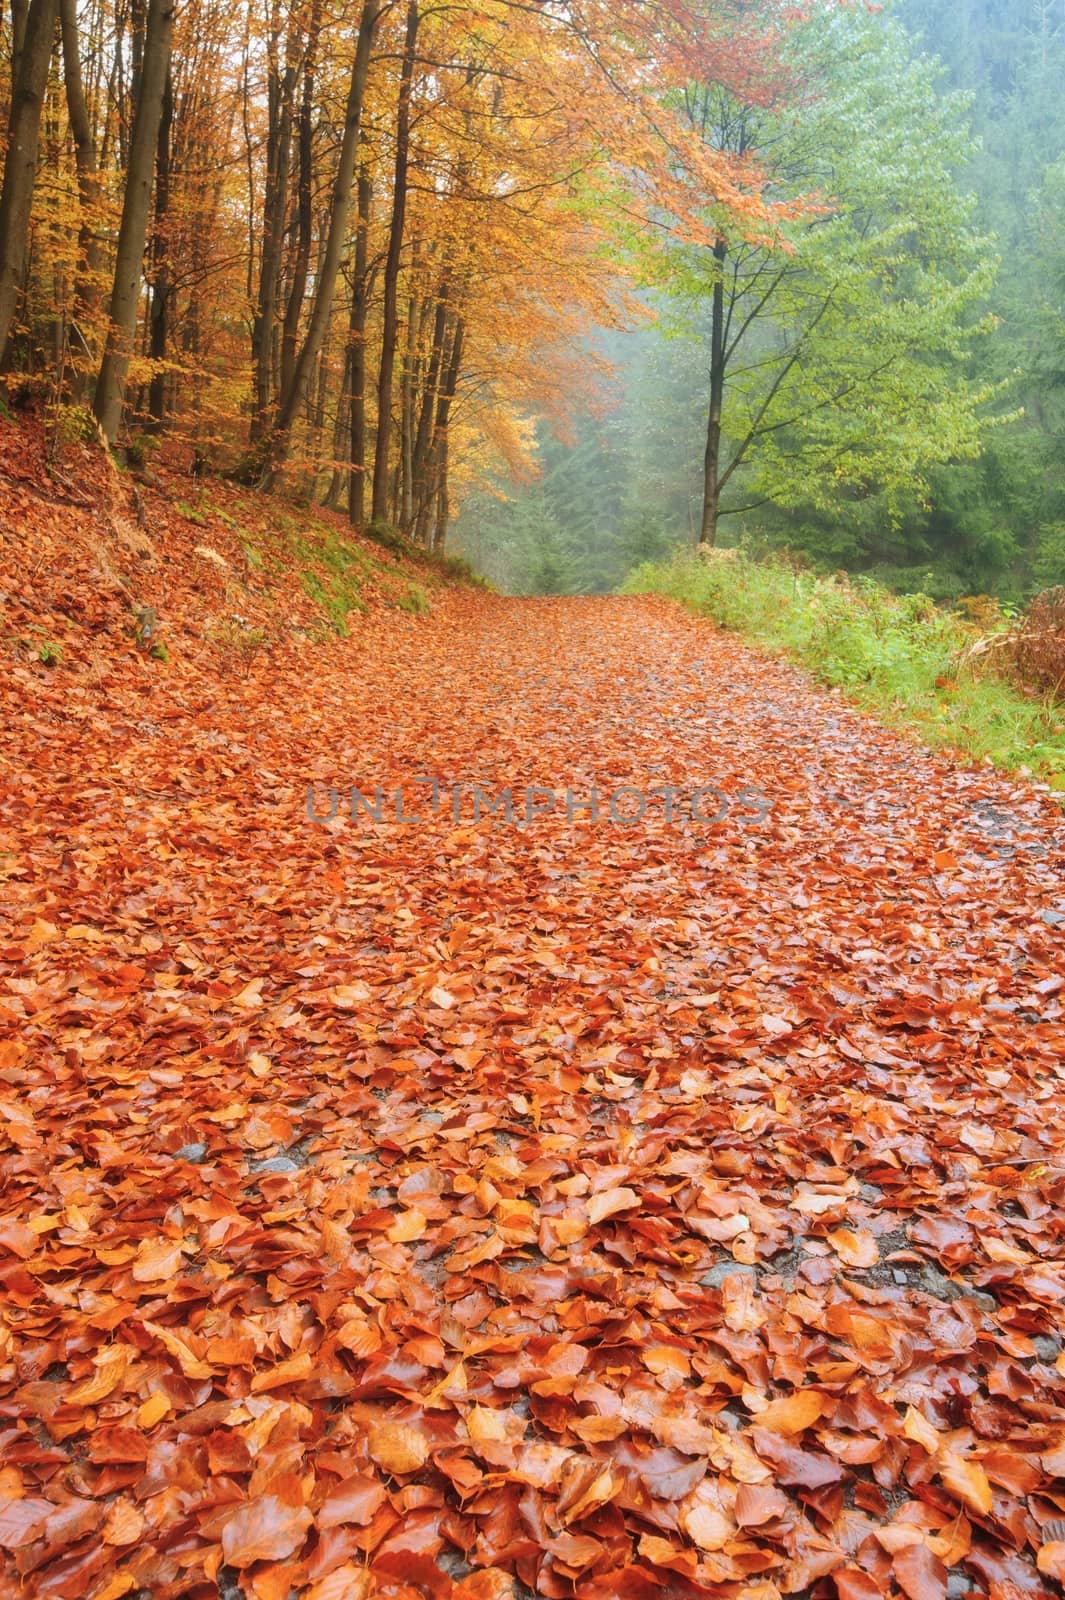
<point>31,55</point>
<point>136,207</point>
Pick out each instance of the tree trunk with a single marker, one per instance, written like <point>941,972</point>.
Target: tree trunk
<point>442,428</point>
<point>19,18</point>
<point>341,435</point>
<point>390,313</point>
<point>406,514</point>
<point>159,315</point>
<point>423,444</point>
<point>360,299</point>
<point>129,259</point>
<point>435,466</point>
<point>20,164</point>
<point>275,200</point>
<point>304,219</point>
<point>712,464</point>
<point>329,267</point>
<point>90,248</point>
<point>443,508</point>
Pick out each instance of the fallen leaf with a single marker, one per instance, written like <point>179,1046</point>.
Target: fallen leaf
<point>609,1202</point>
<point>157,1260</point>
<point>794,1412</point>
<point>967,1480</point>
<point>398,1448</point>
<point>264,1529</point>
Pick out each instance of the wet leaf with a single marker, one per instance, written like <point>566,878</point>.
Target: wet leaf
<point>264,1529</point>
<point>398,1448</point>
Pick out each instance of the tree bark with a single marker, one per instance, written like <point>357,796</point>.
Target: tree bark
<point>443,507</point>
<point>423,444</point>
<point>712,462</point>
<point>360,299</point>
<point>20,164</point>
<point>87,288</point>
<point>304,220</point>
<point>435,471</point>
<point>390,312</point>
<point>129,259</point>
<point>406,515</point>
<point>19,17</point>
<point>329,267</point>
<point>159,314</point>
<point>280,87</point>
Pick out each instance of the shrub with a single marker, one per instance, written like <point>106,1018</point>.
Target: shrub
<point>1039,642</point>
<point>415,600</point>
<point>236,642</point>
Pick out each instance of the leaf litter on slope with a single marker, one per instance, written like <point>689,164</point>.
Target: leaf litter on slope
<point>570,1210</point>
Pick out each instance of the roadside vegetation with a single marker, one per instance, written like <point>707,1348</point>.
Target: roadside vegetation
<point>978,677</point>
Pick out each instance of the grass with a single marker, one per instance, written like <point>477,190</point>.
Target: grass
<point>415,600</point>
<point>897,655</point>
<point>334,574</point>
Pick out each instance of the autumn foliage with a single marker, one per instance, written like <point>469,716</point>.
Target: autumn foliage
<point>377,234</point>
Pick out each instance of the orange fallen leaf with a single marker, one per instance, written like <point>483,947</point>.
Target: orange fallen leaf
<point>157,1259</point>
<point>915,1426</point>
<point>249,998</point>
<point>189,1362</point>
<point>1051,1560</point>
<point>153,1410</point>
<point>346,1583</point>
<point>794,1412</point>
<point>293,1370</point>
<point>111,1367</point>
<point>115,1587</point>
<point>967,1480</point>
<point>264,1529</point>
<point>408,1226</point>
<point>663,1358</point>
<point>398,1448</point>
<point>609,1202</point>
<point>124,1524</point>
<point>704,1521</point>
<point>855,1247</point>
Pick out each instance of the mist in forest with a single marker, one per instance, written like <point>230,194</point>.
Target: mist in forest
<point>623,481</point>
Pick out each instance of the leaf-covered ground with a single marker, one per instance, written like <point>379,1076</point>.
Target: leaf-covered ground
<point>453,1211</point>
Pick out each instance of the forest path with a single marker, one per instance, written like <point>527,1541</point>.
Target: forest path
<point>634,1207</point>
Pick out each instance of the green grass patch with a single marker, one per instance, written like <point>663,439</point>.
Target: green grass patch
<point>414,599</point>
<point>897,655</point>
<point>332,574</point>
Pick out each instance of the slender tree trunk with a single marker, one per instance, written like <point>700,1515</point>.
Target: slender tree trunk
<point>443,508</point>
<point>129,259</point>
<point>424,442</point>
<point>442,429</point>
<point>406,515</point>
<point>279,93</point>
<point>712,464</point>
<point>87,288</point>
<point>390,312</point>
<point>159,315</point>
<point>20,164</point>
<point>336,238</point>
<point>304,218</point>
<point>317,430</point>
<point>341,435</point>
<point>436,454</point>
<point>360,299</point>
<point>19,17</point>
